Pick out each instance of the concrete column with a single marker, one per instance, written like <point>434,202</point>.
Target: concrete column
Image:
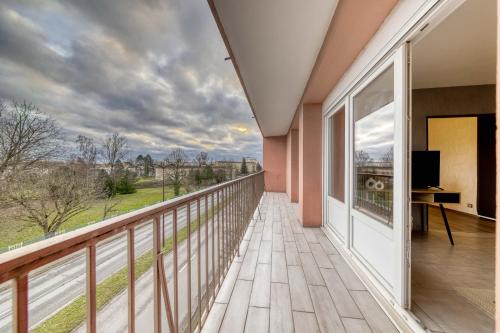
<point>292,165</point>
<point>310,129</point>
<point>274,155</point>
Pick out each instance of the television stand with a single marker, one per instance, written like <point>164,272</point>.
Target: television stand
<point>436,196</point>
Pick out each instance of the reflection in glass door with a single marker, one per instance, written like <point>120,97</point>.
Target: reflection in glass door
<point>374,147</point>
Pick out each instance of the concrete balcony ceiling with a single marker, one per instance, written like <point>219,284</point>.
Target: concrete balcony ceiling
<point>291,51</point>
<point>274,45</point>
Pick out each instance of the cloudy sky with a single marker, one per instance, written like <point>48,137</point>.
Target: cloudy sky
<point>153,70</point>
<point>374,134</point>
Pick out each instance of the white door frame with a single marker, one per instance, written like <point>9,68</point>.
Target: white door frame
<point>390,36</point>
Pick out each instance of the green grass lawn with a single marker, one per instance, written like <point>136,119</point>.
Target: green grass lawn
<point>13,231</point>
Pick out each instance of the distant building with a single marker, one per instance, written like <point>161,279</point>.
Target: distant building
<point>231,168</point>
<point>159,171</point>
<point>236,165</point>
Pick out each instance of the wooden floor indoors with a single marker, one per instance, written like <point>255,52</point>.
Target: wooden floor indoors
<point>453,286</point>
<point>290,278</point>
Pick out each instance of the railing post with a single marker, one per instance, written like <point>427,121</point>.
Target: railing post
<point>198,255</point>
<point>20,305</point>
<point>156,275</point>
<point>234,221</point>
<point>131,279</point>
<point>207,282</point>
<point>218,239</point>
<point>224,230</point>
<point>213,249</point>
<point>229,226</point>
<point>176,269</point>
<point>240,213</point>
<point>91,289</point>
<point>188,218</point>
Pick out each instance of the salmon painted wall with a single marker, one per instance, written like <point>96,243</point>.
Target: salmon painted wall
<point>274,156</point>
<point>354,23</point>
<point>310,129</point>
<point>292,165</point>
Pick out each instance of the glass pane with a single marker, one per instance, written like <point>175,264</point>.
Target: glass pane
<point>373,147</point>
<point>337,155</point>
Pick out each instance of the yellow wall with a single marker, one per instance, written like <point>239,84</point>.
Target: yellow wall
<point>456,138</point>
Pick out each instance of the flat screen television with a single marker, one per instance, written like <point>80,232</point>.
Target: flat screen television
<point>425,169</point>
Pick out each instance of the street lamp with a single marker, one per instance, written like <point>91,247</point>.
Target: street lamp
<point>163,166</point>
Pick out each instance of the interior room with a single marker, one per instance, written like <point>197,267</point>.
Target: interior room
<point>453,171</point>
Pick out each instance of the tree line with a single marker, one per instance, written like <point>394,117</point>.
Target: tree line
<point>48,184</point>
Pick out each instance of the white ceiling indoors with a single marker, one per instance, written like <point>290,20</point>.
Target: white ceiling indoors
<point>275,44</point>
<point>460,51</point>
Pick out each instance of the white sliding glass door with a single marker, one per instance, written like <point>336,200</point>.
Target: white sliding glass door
<point>378,191</point>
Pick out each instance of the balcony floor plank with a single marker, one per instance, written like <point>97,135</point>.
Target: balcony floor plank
<point>305,322</point>
<point>257,320</point>
<point>262,286</point>
<point>278,271</point>
<point>236,313</point>
<point>292,279</point>
<point>292,254</point>
<point>372,312</point>
<point>353,325</point>
<point>265,252</point>
<point>281,319</point>
<point>301,300</point>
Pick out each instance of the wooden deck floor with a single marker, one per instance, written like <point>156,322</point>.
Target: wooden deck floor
<point>290,278</point>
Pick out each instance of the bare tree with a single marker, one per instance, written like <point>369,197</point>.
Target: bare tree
<point>176,162</point>
<point>201,159</point>
<point>114,150</point>
<point>27,136</point>
<point>87,159</point>
<point>110,204</point>
<point>388,156</point>
<point>361,157</point>
<point>87,151</point>
<point>50,197</point>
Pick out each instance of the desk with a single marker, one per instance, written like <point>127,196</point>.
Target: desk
<point>436,196</point>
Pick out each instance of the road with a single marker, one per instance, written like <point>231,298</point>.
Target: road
<point>113,318</point>
<point>52,288</point>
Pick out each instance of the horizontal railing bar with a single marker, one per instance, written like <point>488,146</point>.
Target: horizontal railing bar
<point>12,261</point>
<point>48,259</point>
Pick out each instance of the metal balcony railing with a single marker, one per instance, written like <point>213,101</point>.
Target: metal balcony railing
<point>217,216</point>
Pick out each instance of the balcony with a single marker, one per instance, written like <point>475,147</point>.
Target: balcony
<point>289,278</point>
<point>252,268</point>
